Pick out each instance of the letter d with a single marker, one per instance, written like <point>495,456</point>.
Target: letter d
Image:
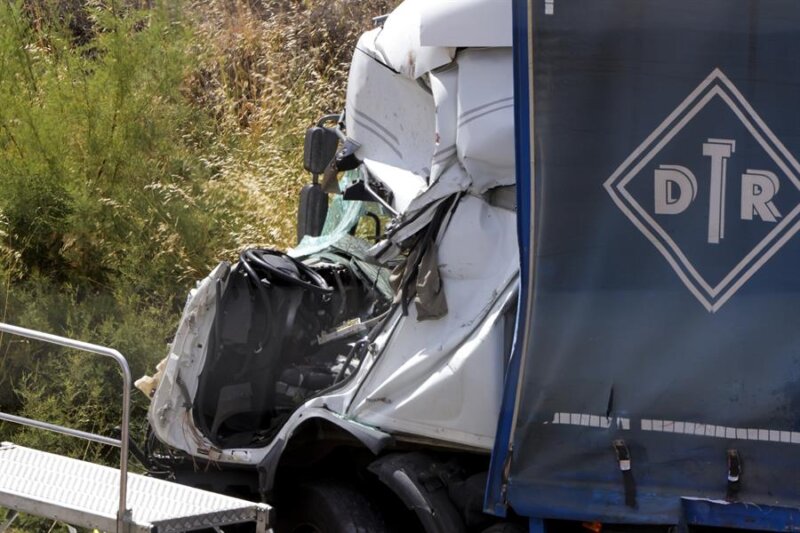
<point>675,188</point>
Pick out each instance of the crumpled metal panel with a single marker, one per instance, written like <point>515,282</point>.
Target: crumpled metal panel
<point>466,23</point>
<point>86,494</point>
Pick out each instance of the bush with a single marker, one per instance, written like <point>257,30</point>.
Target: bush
<point>140,143</point>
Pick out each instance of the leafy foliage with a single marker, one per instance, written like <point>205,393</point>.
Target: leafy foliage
<point>139,145</point>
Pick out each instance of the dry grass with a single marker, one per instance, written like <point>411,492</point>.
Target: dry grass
<point>268,71</point>
<point>141,165</point>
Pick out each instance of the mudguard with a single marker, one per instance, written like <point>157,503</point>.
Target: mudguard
<point>411,477</point>
<point>373,439</point>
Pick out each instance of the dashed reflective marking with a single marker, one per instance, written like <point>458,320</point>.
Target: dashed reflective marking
<point>590,420</point>
<point>677,426</point>
<point>721,432</point>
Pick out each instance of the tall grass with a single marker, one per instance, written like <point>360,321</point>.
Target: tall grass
<point>140,143</point>
<point>267,72</point>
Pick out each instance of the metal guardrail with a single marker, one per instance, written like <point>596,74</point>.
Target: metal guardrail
<point>122,442</point>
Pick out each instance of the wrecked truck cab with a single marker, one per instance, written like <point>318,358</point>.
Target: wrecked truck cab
<point>402,343</point>
<point>261,336</point>
<point>282,332</point>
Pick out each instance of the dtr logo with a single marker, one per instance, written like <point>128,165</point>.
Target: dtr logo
<point>713,189</point>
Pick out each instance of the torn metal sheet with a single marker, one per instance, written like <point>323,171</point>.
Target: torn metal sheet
<point>430,300</point>
<point>399,43</point>
<point>426,379</point>
<point>485,137</point>
<point>404,185</point>
<point>444,86</point>
<point>391,116</point>
<point>453,180</point>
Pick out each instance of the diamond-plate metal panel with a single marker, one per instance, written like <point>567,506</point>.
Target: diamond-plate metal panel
<point>59,487</point>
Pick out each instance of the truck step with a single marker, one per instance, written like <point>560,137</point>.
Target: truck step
<point>85,494</point>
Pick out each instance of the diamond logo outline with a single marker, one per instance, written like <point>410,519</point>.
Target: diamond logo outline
<point>716,85</point>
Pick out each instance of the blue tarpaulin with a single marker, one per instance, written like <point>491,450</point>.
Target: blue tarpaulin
<point>663,354</point>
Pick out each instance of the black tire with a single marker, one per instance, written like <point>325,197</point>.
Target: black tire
<point>329,507</point>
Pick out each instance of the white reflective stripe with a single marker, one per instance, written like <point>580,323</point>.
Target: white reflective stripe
<point>721,432</point>
<point>677,426</point>
<point>590,420</point>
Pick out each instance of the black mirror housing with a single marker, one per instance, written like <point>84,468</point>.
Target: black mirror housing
<point>312,211</point>
<point>320,148</point>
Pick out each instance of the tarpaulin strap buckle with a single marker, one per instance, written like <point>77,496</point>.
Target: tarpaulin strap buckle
<point>623,455</point>
<point>734,473</point>
<point>624,460</point>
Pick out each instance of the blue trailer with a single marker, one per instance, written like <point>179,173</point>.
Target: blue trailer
<point>655,371</point>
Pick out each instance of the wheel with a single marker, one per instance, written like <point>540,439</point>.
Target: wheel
<point>329,507</point>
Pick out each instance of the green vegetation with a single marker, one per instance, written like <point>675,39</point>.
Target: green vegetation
<point>138,147</point>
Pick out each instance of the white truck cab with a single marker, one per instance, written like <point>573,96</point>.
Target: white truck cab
<point>395,345</point>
